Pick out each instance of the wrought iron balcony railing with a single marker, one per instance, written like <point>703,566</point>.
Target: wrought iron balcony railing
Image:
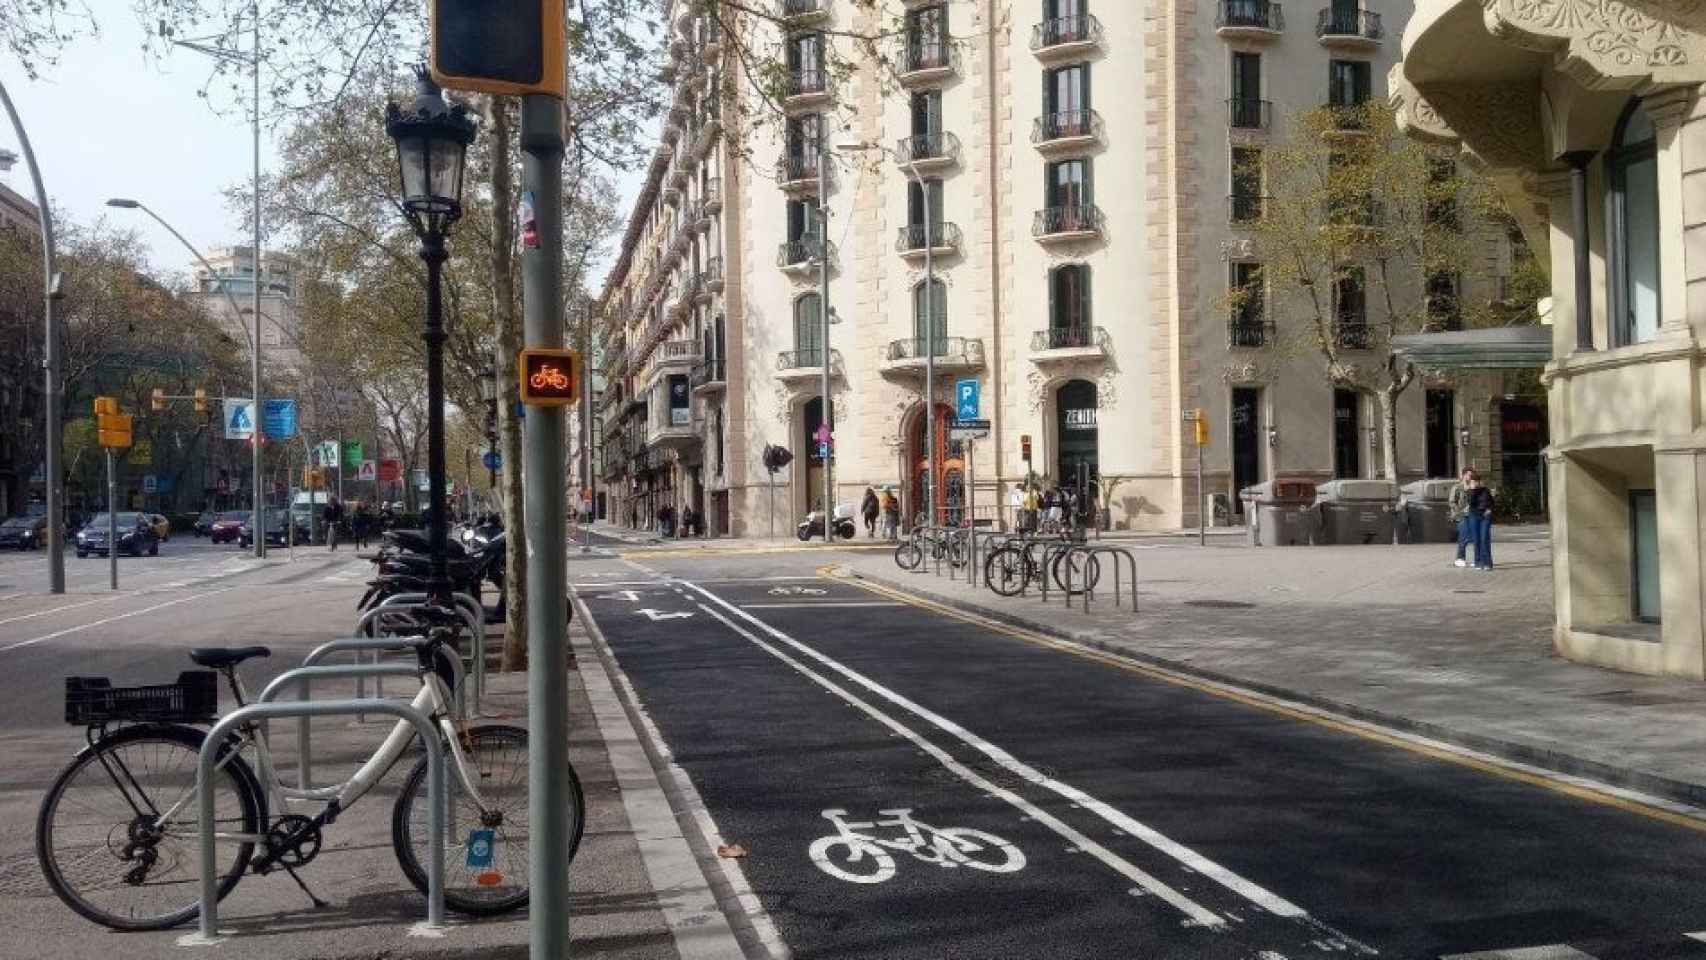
<point>1072,218</point>
<point>1061,31</point>
<point>1070,337</point>
<point>1247,114</point>
<point>1336,21</point>
<point>924,147</point>
<point>1066,125</point>
<point>1253,14</point>
<point>1352,334</point>
<point>1249,332</point>
<point>913,237</point>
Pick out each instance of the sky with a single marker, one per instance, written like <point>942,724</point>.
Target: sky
<point>107,121</point>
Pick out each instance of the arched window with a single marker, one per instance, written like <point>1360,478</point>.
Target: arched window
<point>1069,305</point>
<point>1632,220</point>
<point>808,328</point>
<point>930,314</point>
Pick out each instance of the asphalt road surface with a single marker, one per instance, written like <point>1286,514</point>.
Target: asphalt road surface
<point>910,784</point>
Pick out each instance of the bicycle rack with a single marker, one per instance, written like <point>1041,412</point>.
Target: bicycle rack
<point>472,614</point>
<point>1089,591</point>
<point>358,644</point>
<point>437,797</point>
<point>1052,550</point>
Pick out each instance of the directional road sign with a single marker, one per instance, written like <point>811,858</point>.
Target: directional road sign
<point>239,418</point>
<point>278,417</point>
<point>968,429</point>
<point>492,460</point>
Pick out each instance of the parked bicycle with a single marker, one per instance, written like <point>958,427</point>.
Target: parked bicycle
<point>1012,567</point>
<point>117,835</point>
<point>952,545</point>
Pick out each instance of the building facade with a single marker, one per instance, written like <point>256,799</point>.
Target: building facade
<point>1036,195</point>
<point>234,273</point>
<point>1589,116</point>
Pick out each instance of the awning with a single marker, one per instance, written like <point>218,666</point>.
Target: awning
<point>1492,348</point>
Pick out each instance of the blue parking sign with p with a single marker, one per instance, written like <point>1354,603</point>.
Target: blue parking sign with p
<point>966,400</point>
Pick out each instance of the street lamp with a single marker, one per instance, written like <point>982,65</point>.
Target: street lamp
<point>432,140</point>
<point>258,523</point>
<point>489,393</point>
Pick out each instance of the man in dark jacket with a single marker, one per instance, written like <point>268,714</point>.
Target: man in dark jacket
<point>1481,522</point>
<point>333,515</point>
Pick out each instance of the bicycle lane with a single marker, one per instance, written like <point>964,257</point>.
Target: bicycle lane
<point>773,744</point>
<point>1399,848</point>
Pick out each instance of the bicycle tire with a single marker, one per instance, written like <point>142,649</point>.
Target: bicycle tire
<point>907,555</point>
<point>1007,572</point>
<point>958,555</point>
<point>55,858</point>
<point>1086,575</point>
<point>463,890</point>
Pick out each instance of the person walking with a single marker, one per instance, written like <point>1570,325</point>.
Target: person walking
<point>891,514</point>
<point>869,508</point>
<point>1481,514</point>
<point>1032,503</point>
<point>333,515</point>
<point>1459,506</point>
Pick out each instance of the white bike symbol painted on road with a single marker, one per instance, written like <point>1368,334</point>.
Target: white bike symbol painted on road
<point>797,591</point>
<point>858,857</point>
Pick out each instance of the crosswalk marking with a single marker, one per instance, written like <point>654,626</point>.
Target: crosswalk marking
<point>1696,936</point>
<point>1556,951</point>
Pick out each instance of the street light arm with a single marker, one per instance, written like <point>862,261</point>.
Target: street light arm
<point>236,311</point>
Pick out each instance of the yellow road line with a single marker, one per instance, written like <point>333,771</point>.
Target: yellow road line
<point>1363,729</point>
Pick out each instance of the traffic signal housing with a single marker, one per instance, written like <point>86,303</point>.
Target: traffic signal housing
<point>157,400</point>
<point>200,400</point>
<point>1201,421</point>
<point>513,47</point>
<point>549,377</point>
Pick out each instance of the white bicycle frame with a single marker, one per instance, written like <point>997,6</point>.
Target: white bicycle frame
<point>432,700</point>
<point>914,843</point>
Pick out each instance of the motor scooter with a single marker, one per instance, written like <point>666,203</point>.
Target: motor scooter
<point>812,525</point>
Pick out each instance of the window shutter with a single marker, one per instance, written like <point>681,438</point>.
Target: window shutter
<point>1054,304</point>
<point>1085,299</point>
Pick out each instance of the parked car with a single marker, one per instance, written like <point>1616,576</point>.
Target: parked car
<point>162,526</point>
<point>224,527</point>
<point>135,536</point>
<point>203,525</point>
<point>277,530</point>
<point>24,533</point>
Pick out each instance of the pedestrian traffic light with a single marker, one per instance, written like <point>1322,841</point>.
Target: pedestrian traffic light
<point>1201,420</point>
<point>106,405</point>
<point>549,377</point>
<point>157,400</point>
<point>514,47</point>
<point>200,400</point>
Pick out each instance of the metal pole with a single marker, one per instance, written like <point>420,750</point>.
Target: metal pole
<point>340,468</point>
<point>434,253</point>
<point>259,524</point>
<point>547,566</point>
<point>52,470</point>
<point>1202,508</point>
<point>586,490</point>
<point>112,519</point>
<point>929,344</point>
<point>823,308</point>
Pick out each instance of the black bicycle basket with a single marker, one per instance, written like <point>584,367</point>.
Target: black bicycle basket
<point>194,698</point>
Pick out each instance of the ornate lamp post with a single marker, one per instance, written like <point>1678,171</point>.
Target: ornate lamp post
<point>432,140</point>
<point>489,393</point>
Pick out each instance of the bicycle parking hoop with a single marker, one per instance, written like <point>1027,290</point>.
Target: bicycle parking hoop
<point>1119,554</point>
<point>356,644</point>
<point>437,802</point>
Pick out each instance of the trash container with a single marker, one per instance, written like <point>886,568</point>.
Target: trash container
<point>1277,513</point>
<point>1424,512</point>
<point>1356,511</point>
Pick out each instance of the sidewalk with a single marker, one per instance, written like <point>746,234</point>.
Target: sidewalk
<point>1395,635</point>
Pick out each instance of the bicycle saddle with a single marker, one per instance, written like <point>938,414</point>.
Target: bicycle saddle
<point>218,658</point>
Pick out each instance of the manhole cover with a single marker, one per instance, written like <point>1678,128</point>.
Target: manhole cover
<point>1221,604</point>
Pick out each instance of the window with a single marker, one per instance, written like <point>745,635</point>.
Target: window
<point>1443,309</point>
<point>1347,430</point>
<point>917,208</point>
<point>803,225</point>
<point>1065,21</point>
<point>1245,279</point>
<point>930,313</point>
<point>1058,9</point>
<point>1068,184</point>
<point>927,37</point>
<point>1069,306</point>
<point>808,329</point>
<point>1632,219</point>
<point>1344,17</point>
<point>1066,96</point>
<point>1246,184</point>
<point>1350,309</point>
<point>803,138</point>
<point>1644,555</point>
<point>927,113</point>
<point>1442,193</point>
<point>1247,91</point>
<point>805,62</point>
<point>1347,82</point>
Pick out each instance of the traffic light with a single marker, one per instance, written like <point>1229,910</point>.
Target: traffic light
<point>513,47</point>
<point>200,400</point>
<point>113,429</point>
<point>157,400</point>
<point>1201,420</point>
<point>1025,447</point>
<point>106,405</point>
<point>549,377</point>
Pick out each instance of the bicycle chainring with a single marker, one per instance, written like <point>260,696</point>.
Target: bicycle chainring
<point>293,840</point>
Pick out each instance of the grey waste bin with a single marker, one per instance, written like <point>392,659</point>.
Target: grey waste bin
<point>1277,513</point>
<point>1356,511</point>
<point>1424,512</point>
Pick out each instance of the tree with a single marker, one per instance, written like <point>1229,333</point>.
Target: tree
<point>1365,235</point>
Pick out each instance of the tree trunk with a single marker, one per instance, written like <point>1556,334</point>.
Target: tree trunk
<point>508,346</point>
<point>1389,431</point>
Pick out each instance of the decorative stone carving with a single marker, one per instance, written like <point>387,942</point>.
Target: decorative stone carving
<point>1348,374</point>
<point>1238,248</point>
<point>1608,44</point>
<point>1102,372</point>
<point>1248,371</point>
<point>1497,125</point>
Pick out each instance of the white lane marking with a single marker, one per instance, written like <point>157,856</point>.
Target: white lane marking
<point>1256,894</point>
<point>629,595</point>
<point>123,616</point>
<point>821,603</point>
<point>1555,951</point>
<point>68,606</point>
<point>1696,936</point>
<point>1113,861</point>
<point>657,615</point>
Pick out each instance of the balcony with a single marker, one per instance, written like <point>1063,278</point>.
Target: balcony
<point>1245,208</point>
<point>804,89</point>
<point>1348,29</point>
<point>1066,131</point>
<point>923,62</point>
<point>1352,335</point>
<point>909,355</point>
<point>806,364</point>
<point>710,33</point>
<point>675,432</point>
<point>676,353</point>
<point>928,152</point>
<point>713,195</point>
<point>707,377</point>
<point>675,299</point>
<point>1249,20</point>
<point>1346,119</point>
<point>799,13</point>
<point>913,241</point>
<point>1060,344</point>
<point>1249,332</point>
<point>1247,114</point>
<point>1068,223</point>
<point>714,274</point>
<point>1360,213</point>
<point>1066,38</point>
<point>698,216</point>
<point>803,255</point>
<point>696,290</point>
<point>797,174</point>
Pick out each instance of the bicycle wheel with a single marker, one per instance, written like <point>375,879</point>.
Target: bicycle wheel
<point>852,865</point>
<point>979,850</point>
<point>100,845</point>
<point>907,555</point>
<point>1086,570</point>
<point>1004,571</point>
<point>485,855</point>
<point>957,553</point>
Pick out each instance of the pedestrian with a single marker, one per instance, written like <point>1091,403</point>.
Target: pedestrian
<point>1033,502</point>
<point>869,508</point>
<point>333,514</point>
<point>1051,510</point>
<point>1481,516</point>
<point>689,521</point>
<point>891,514</point>
<point>1459,505</point>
